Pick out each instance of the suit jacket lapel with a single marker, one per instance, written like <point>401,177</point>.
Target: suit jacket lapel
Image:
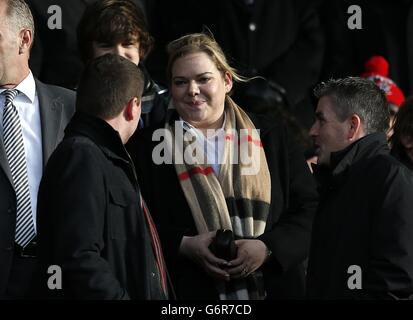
<point>50,118</point>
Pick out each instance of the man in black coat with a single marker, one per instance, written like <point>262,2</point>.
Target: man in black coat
<point>92,223</point>
<point>43,112</point>
<point>362,241</point>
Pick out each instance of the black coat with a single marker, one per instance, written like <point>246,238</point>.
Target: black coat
<point>287,234</point>
<point>56,108</point>
<point>90,221</point>
<point>365,218</point>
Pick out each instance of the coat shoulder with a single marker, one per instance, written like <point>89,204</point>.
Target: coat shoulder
<point>75,146</point>
<point>69,96</point>
<point>386,164</point>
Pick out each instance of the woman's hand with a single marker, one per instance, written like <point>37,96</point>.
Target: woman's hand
<point>196,249</point>
<point>251,255</point>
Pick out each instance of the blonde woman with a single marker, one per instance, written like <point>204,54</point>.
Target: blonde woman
<point>212,166</point>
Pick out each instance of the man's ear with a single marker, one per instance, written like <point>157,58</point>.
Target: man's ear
<point>133,109</point>
<point>356,130</point>
<point>138,108</point>
<point>26,40</point>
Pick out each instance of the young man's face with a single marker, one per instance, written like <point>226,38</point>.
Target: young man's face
<point>328,132</point>
<point>128,50</point>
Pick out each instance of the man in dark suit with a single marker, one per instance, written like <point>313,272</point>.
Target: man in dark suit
<point>92,222</point>
<point>32,118</point>
<point>362,241</point>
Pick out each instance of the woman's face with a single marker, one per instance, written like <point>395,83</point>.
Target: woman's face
<point>198,90</point>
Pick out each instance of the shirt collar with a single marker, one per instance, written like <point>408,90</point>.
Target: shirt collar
<point>187,126</point>
<point>27,87</point>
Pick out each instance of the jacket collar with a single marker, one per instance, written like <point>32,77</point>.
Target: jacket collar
<point>362,149</point>
<point>100,132</point>
<point>342,161</point>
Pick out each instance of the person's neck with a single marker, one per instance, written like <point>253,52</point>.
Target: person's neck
<point>215,125</point>
<point>15,79</point>
<point>116,124</point>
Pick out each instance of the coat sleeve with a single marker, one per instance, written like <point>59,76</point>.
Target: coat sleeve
<point>289,236</point>
<point>71,216</point>
<point>389,273</point>
<point>161,191</point>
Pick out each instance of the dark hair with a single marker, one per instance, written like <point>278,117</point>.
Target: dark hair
<point>19,15</point>
<point>112,21</point>
<point>354,95</point>
<point>107,84</point>
<point>402,127</point>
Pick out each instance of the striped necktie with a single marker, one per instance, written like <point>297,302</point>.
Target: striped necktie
<point>156,245</point>
<point>16,156</point>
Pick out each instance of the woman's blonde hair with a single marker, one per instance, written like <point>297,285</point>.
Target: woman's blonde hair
<point>200,42</point>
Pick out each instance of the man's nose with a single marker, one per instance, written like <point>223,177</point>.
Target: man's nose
<point>313,130</point>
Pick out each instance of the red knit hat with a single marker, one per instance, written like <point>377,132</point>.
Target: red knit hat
<point>377,70</point>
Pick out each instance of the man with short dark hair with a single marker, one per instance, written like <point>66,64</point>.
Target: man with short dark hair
<point>32,118</point>
<point>362,242</point>
<point>92,220</point>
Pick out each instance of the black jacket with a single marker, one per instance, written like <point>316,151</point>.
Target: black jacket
<point>364,219</point>
<point>402,156</point>
<point>287,234</point>
<point>155,101</point>
<point>90,221</point>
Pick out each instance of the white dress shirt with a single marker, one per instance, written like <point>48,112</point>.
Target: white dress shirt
<point>27,104</point>
<point>213,143</point>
